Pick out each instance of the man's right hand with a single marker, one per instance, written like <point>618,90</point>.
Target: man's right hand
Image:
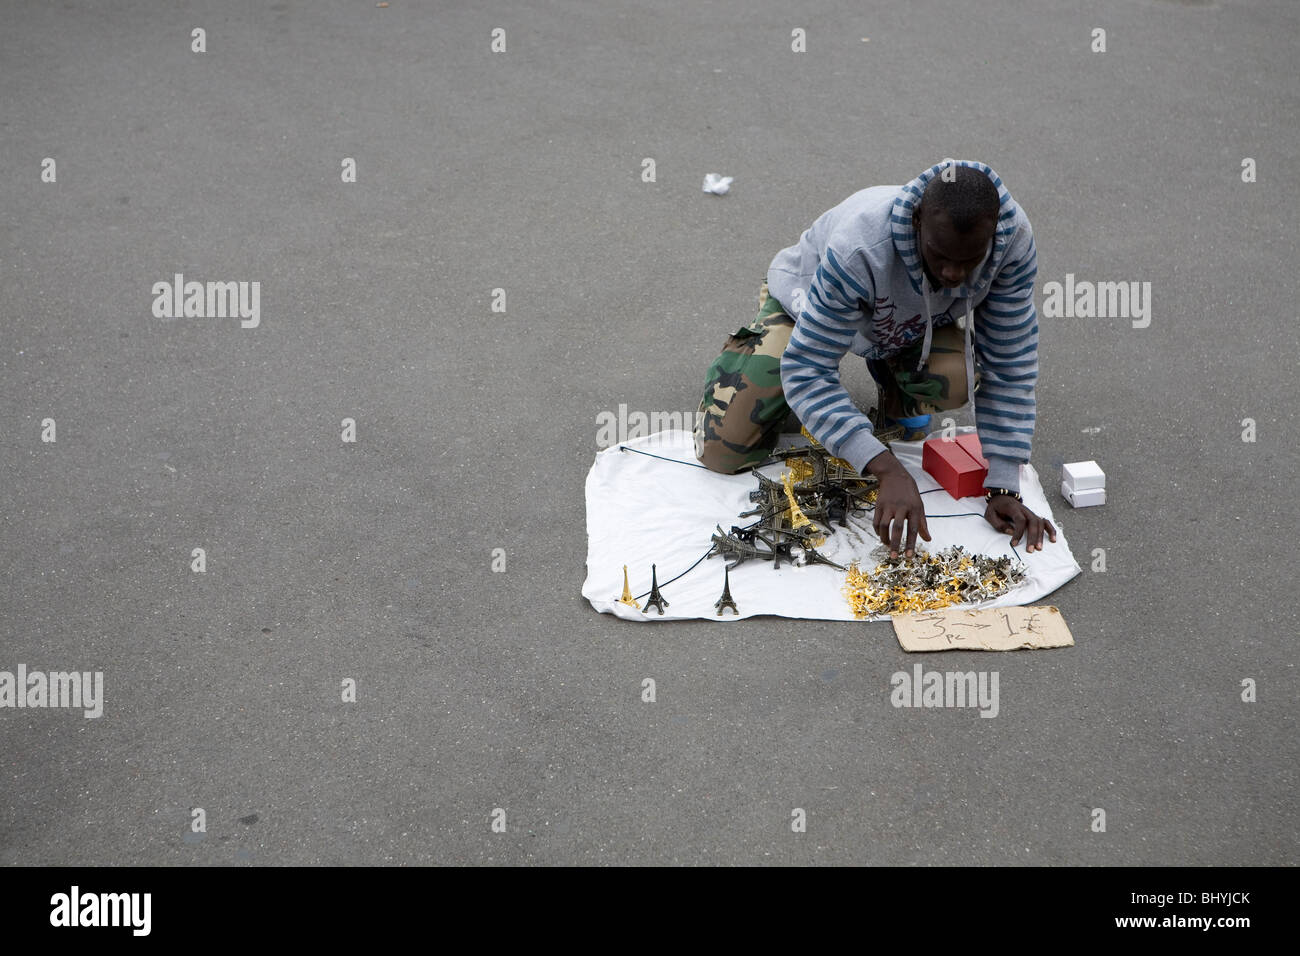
<point>898,502</point>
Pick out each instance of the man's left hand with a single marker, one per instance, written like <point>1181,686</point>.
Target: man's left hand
<point>1011,517</point>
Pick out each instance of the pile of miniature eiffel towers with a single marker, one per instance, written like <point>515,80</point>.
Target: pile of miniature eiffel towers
<point>792,517</point>
<point>795,514</point>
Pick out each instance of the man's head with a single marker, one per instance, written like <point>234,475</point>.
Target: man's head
<point>954,223</point>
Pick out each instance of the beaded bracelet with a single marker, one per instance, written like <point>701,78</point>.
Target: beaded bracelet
<point>994,492</point>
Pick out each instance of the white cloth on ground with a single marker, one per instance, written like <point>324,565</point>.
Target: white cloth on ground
<point>643,510</point>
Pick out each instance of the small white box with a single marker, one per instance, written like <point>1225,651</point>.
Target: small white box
<point>1083,498</point>
<point>1083,475</point>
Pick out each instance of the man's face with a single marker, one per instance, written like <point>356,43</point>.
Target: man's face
<point>948,256</point>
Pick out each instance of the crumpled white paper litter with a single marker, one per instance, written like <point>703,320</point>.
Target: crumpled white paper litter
<point>716,184</point>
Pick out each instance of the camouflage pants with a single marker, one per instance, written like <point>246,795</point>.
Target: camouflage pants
<point>744,407</point>
<point>938,387</point>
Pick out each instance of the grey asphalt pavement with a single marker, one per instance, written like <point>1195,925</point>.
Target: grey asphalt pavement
<point>371,561</point>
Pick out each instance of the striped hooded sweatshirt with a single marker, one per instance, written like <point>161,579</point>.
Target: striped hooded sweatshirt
<point>856,282</point>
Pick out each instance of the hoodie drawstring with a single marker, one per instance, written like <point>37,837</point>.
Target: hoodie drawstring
<point>969,349</point>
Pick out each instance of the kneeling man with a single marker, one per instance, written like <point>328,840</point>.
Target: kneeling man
<point>933,284</point>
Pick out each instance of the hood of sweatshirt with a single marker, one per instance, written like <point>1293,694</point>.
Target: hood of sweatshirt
<point>904,233</point>
<point>904,236</point>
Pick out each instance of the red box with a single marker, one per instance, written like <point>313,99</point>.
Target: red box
<point>970,443</point>
<point>952,464</point>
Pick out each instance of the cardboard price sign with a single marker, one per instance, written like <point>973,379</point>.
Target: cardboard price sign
<point>984,629</point>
